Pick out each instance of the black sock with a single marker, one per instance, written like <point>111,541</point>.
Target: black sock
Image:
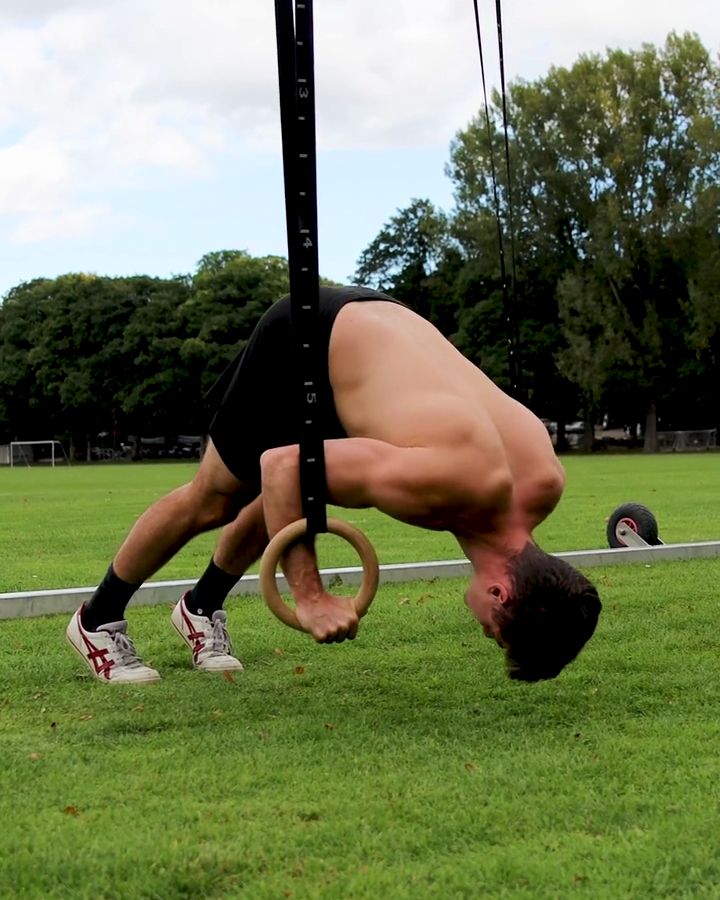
<point>210,592</point>
<point>108,602</point>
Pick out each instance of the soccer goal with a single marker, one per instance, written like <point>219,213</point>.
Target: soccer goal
<point>680,441</point>
<point>35,453</point>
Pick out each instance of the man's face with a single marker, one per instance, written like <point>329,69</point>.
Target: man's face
<point>483,600</point>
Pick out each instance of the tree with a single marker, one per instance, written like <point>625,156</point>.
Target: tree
<point>230,292</point>
<point>595,344</point>
<point>702,368</point>
<point>25,412</point>
<point>77,355</point>
<point>413,258</point>
<point>161,393</point>
<point>610,159</point>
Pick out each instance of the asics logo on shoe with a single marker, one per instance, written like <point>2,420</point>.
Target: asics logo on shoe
<point>197,637</point>
<point>95,654</point>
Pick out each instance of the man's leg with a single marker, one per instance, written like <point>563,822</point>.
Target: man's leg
<point>241,543</point>
<point>211,499</point>
<point>198,616</point>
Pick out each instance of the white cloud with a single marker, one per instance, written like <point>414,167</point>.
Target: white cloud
<point>60,226</point>
<point>32,10</point>
<point>98,95</point>
<point>34,174</point>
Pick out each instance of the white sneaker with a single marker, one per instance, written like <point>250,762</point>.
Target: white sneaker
<point>109,653</point>
<point>208,639</point>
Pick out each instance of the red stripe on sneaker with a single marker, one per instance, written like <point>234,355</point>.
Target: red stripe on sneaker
<point>197,637</point>
<point>96,653</point>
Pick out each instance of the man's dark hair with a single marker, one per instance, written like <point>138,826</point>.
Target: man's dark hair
<point>551,612</point>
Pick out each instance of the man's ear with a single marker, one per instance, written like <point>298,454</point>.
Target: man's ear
<point>499,592</point>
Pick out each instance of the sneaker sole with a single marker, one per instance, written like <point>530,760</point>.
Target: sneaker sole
<point>153,680</point>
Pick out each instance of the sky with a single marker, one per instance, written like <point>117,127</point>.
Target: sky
<point>138,135</point>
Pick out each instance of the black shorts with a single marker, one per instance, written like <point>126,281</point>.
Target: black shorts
<point>258,409</point>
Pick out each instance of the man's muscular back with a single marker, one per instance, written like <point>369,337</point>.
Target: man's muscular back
<point>395,378</point>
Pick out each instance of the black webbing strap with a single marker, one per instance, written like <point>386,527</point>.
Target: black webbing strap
<point>512,331</point>
<point>516,366</point>
<point>297,116</point>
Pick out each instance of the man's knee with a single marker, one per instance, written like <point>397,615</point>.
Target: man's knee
<point>217,510</point>
<point>215,494</point>
<point>213,509</point>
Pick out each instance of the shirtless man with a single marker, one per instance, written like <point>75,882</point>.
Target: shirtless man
<point>413,429</point>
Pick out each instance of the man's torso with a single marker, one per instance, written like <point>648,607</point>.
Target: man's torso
<point>396,378</point>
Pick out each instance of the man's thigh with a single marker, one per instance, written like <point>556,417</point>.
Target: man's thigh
<point>214,479</point>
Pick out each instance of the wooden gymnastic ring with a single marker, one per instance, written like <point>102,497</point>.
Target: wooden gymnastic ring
<point>292,533</point>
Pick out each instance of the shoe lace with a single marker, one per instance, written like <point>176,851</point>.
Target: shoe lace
<point>218,640</point>
<point>125,649</point>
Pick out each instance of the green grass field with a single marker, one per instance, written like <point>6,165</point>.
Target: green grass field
<point>61,528</point>
<point>403,765</point>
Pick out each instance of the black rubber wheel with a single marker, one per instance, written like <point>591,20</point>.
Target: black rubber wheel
<point>639,518</point>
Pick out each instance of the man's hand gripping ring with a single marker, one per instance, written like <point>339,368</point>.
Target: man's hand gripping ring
<point>292,533</point>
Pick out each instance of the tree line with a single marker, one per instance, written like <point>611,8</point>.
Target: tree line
<point>611,231</point>
<point>85,355</point>
<point>614,204</point>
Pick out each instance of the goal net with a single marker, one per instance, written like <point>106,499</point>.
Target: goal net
<point>679,441</point>
<point>36,453</point>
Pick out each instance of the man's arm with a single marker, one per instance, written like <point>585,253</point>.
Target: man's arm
<point>443,488</point>
<point>432,487</point>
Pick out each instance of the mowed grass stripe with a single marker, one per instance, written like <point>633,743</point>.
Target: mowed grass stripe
<point>60,528</point>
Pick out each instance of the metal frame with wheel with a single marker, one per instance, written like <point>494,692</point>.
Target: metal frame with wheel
<point>632,525</point>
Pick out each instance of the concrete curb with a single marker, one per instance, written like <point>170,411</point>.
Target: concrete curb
<point>29,604</point>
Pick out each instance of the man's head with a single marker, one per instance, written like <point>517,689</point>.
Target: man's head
<point>542,612</point>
